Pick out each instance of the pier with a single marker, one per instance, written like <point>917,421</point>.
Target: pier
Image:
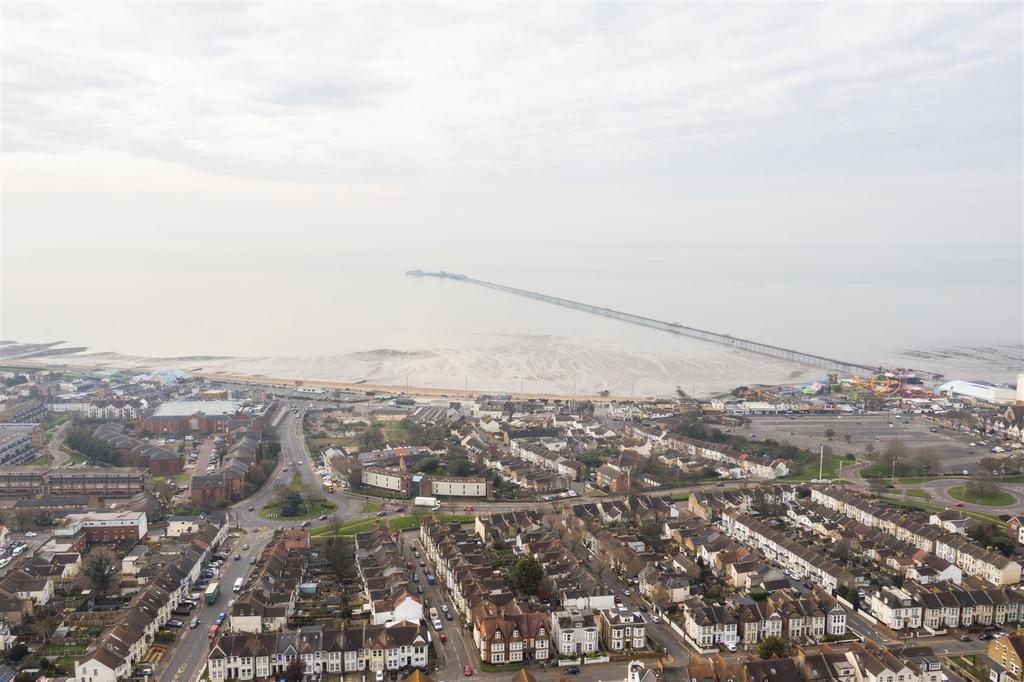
<point>670,327</point>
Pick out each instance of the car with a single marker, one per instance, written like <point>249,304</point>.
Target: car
<point>626,593</point>
<point>238,557</point>
<point>304,524</point>
<point>30,534</point>
<point>423,563</point>
<point>965,638</point>
<point>220,618</point>
<point>245,548</point>
<point>419,589</point>
<point>443,637</point>
<point>444,607</point>
<point>467,507</point>
<point>730,646</point>
<point>415,577</point>
<point>719,485</point>
<point>382,513</point>
<point>322,517</point>
<point>252,561</point>
<point>985,636</point>
<point>252,508</point>
<point>379,676</point>
<point>655,619</point>
<point>467,671</point>
<point>448,615</point>
<point>174,623</point>
<point>959,504</point>
<point>573,670</point>
<point>194,624</point>
<point>438,625</point>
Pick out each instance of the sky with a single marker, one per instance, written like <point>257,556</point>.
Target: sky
<point>136,135</point>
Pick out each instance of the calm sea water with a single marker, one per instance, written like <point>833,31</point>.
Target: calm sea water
<point>863,305</point>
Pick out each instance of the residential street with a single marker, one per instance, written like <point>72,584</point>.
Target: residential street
<point>188,655</point>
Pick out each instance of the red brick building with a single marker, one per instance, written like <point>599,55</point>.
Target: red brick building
<point>164,463</point>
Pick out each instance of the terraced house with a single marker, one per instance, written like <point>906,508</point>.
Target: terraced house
<point>322,651</point>
<point>952,547</point>
<point>124,644</point>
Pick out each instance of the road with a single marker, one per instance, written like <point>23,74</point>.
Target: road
<point>458,650</point>
<point>188,656</point>
<point>293,449</point>
<point>59,436</point>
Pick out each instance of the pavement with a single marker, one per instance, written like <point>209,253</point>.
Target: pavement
<point>56,441</point>
<point>187,657</point>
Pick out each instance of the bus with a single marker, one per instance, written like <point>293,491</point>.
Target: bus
<point>329,486</point>
<point>238,585</point>
<point>213,630</point>
<point>212,592</point>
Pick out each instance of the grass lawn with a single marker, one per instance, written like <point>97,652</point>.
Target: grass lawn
<point>321,533</point>
<point>179,479</point>
<point>312,509</point>
<point>43,460</point>
<point>75,458</point>
<point>917,492</point>
<point>679,497</point>
<point>992,498</point>
<point>809,469</point>
<point>931,507</point>
<point>372,507</point>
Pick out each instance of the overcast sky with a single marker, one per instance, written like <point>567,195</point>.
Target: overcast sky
<point>146,128</point>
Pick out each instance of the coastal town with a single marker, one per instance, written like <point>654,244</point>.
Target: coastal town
<point>169,526</point>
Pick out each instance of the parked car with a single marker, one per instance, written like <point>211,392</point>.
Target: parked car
<point>965,638</point>
<point>573,670</point>
<point>448,615</point>
<point>467,671</point>
<point>174,623</point>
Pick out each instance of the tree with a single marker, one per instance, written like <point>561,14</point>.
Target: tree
<point>291,503</point>
<point>428,465</point>
<point>373,437</point>
<point>773,647</point>
<point>527,575</point>
<point>98,571</point>
<point>295,671</point>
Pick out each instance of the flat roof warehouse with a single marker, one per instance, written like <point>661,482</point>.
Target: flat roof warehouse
<point>185,408</point>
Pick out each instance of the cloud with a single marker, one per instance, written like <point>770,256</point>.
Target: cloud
<point>323,92</point>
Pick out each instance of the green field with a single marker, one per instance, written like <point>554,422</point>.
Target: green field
<point>372,507</point>
<point>991,498</point>
<point>916,492</point>
<point>322,533</point>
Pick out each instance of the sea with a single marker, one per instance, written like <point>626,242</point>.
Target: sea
<point>349,313</point>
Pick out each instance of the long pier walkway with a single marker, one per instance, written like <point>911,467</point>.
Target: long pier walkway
<point>671,327</point>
